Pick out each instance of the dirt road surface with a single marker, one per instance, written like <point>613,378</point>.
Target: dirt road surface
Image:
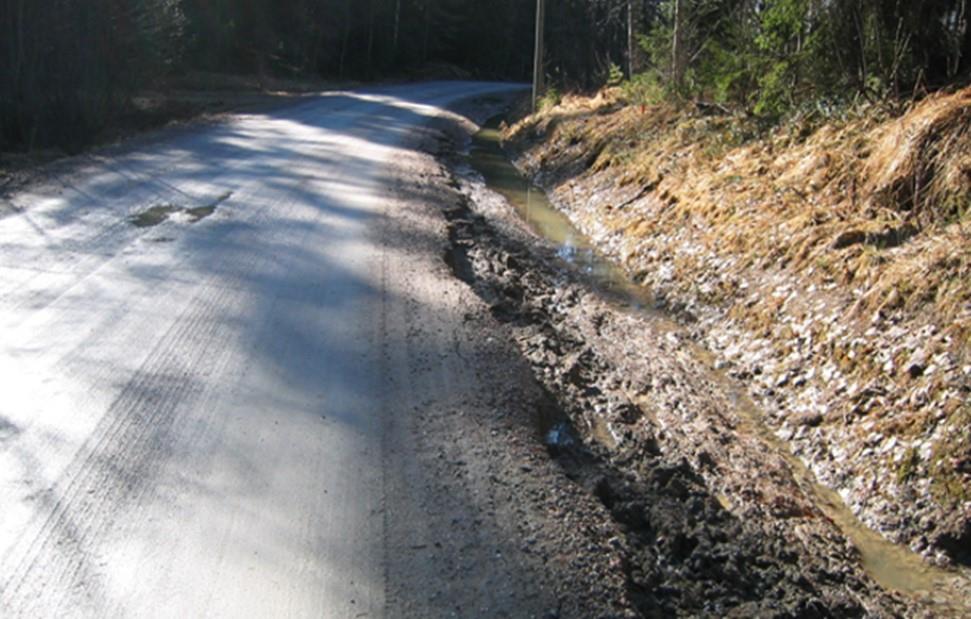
<point>238,380</point>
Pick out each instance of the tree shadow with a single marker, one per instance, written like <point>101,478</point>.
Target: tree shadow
<point>265,314</point>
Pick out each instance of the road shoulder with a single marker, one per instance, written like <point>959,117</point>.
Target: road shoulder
<point>484,523</point>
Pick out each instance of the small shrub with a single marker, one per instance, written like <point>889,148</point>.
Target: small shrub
<point>550,99</point>
<point>645,89</point>
<point>615,76</point>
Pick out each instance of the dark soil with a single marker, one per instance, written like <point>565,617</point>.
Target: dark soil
<point>710,522</point>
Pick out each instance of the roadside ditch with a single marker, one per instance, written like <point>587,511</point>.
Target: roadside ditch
<point>841,307</point>
<point>716,519</point>
<point>686,550</point>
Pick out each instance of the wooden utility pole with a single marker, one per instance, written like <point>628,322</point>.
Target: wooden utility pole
<point>538,52</point>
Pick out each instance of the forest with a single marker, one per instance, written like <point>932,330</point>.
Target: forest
<point>68,66</point>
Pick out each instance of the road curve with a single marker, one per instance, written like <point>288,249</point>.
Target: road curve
<point>191,409</point>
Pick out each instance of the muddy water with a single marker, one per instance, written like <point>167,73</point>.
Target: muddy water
<point>487,157</point>
<point>894,567</point>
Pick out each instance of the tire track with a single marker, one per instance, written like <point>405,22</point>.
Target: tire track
<point>115,466</point>
<point>140,405</point>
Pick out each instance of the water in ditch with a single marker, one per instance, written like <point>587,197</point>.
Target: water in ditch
<point>892,566</point>
<point>489,160</point>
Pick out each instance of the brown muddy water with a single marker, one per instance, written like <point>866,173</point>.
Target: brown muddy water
<point>489,160</point>
<point>894,567</point>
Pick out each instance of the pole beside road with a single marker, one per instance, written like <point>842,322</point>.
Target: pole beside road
<point>538,52</point>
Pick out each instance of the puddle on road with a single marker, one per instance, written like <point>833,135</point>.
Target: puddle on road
<point>153,216</point>
<point>892,566</point>
<point>162,212</point>
<point>199,213</point>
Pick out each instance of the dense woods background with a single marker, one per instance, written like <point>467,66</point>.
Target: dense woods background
<point>67,66</point>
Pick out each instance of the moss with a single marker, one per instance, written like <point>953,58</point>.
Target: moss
<point>951,459</point>
<point>908,466</point>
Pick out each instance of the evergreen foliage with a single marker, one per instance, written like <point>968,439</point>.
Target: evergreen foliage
<point>66,66</point>
<point>772,56</point>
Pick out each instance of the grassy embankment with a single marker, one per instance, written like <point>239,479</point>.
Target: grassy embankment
<point>866,212</point>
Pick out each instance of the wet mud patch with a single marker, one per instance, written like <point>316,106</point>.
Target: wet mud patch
<point>487,157</point>
<point>153,216</point>
<point>716,427</point>
<point>705,532</point>
<point>160,213</point>
<point>199,213</point>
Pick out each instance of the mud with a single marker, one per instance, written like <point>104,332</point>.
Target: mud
<point>890,565</point>
<point>714,521</point>
<point>890,438</point>
<point>153,216</point>
<point>487,157</point>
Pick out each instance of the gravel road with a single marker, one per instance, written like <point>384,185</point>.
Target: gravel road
<point>238,380</point>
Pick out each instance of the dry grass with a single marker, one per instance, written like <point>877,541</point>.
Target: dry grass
<point>872,206</point>
<point>878,205</point>
<point>921,165</point>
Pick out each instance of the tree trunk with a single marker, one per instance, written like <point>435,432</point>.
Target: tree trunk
<point>370,36</point>
<point>676,53</point>
<point>634,22</point>
<point>538,52</point>
<point>397,28</point>
<point>19,39</point>
<point>864,72</point>
<point>963,31</point>
<point>427,32</point>
<point>345,36</point>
